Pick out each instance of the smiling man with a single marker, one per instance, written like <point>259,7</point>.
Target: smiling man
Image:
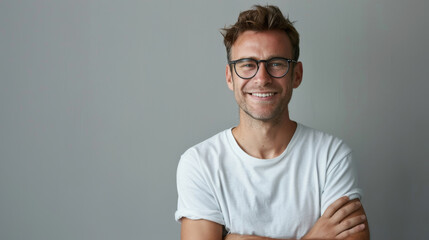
<point>269,177</point>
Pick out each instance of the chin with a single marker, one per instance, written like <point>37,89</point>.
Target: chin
<point>263,116</point>
<point>266,116</point>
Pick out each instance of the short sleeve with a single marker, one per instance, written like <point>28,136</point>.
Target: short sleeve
<point>341,180</point>
<point>195,196</point>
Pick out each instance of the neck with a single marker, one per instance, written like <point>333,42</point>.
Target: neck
<point>264,139</point>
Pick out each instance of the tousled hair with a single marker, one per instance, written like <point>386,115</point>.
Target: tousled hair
<point>261,18</point>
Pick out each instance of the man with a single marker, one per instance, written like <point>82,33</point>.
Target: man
<point>269,177</point>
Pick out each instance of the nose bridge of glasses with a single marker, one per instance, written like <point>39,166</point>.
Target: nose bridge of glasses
<point>265,64</point>
<point>264,74</point>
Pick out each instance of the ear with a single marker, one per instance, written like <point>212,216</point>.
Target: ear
<point>228,76</point>
<point>297,75</point>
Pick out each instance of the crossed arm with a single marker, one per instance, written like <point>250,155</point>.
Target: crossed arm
<point>343,219</point>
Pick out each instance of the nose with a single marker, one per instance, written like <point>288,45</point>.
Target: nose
<point>262,77</point>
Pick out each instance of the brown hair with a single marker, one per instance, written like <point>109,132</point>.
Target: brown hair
<point>261,18</point>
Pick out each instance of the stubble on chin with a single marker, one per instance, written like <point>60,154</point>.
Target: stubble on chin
<point>275,116</point>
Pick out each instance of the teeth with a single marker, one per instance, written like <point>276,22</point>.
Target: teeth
<point>262,94</point>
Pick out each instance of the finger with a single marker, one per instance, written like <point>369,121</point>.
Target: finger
<point>345,211</point>
<point>350,223</point>
<point>351,231</point>
<point>333,208</point>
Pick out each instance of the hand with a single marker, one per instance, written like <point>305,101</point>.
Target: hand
<point>335,223</point>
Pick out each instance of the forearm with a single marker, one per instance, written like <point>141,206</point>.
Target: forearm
<point>342,220</point>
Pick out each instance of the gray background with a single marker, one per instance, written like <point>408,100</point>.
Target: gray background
<point>98,99</point>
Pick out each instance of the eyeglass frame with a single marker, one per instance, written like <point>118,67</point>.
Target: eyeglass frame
<point>266,65</point>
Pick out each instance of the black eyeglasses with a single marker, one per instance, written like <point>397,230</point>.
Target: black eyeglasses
<point>247,68</point>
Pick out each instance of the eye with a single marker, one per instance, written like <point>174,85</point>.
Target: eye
<point>277,64</point>
<point>246,65</point>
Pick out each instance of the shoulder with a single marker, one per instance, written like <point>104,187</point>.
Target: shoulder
<point>322,142</point>
<point>214,143</point>
<point>207,150</point>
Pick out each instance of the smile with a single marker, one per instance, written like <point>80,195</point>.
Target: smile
<point>262,95</point>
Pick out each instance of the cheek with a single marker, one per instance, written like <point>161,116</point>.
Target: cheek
<point>239,92</point>
<point>288,85</point>
<point>236,86</point>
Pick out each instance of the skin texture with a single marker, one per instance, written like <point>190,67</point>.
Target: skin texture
<point>265,130</point>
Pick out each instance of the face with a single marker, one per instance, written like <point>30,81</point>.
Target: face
<point>263,97</point>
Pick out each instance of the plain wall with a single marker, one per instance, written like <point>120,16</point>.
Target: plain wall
<point>98,100</point>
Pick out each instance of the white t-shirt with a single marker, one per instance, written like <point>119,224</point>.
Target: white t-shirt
<point>279,198</point>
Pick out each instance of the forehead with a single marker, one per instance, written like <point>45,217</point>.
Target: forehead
<point>262,45</point>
